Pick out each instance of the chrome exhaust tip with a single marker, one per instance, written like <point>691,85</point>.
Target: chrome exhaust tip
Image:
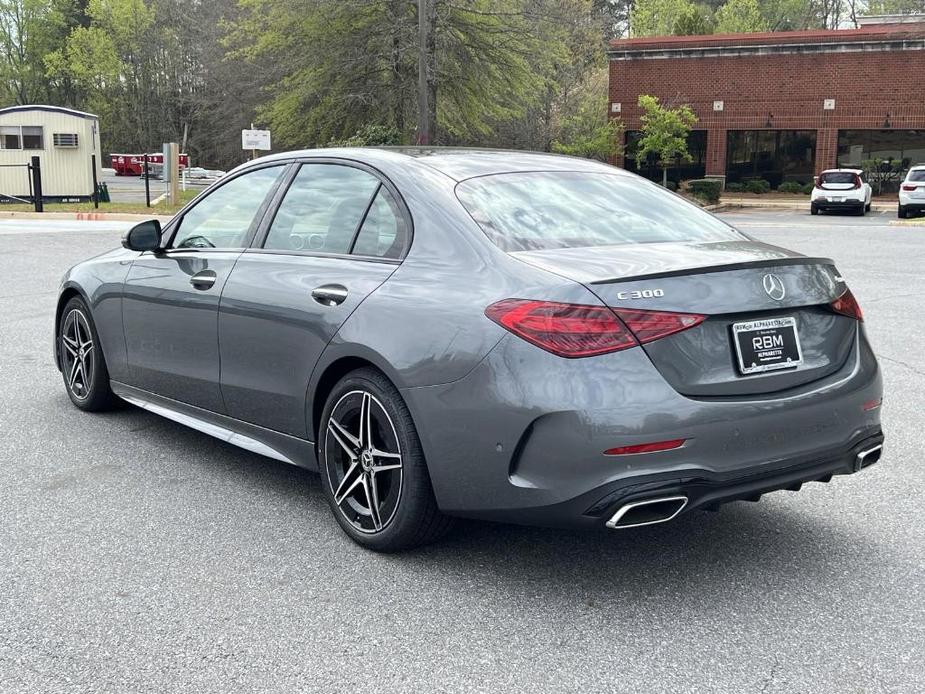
<point>868,457</point>
<point>647,512</point>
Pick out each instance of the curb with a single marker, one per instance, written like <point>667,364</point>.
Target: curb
<point>86,216</point>
<point>791,204</point>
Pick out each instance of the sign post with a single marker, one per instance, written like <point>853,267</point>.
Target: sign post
<point>254,140</point>
<point>172,172</point>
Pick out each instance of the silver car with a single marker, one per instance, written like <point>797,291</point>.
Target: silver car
<point>500,335</point>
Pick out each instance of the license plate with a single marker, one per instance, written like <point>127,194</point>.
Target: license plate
<point>836,199</point>
<point>767,345</point>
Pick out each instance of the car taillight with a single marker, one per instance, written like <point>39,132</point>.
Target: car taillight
<point>847,305</point>
<point>649,326</point>
<point>907,187</point>
<point>578,330</point>
<point>857,181</point>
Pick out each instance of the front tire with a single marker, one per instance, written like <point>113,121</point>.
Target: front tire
<point>83,366</point>
<point>902,214</point>
<point>372,466</point>
<point>813,210</point>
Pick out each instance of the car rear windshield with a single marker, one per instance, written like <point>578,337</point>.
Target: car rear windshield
<point>918,175</point>
<point>544,210</point>
<point>838,177</point>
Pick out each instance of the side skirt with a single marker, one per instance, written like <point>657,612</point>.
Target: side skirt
<point>266,442</point>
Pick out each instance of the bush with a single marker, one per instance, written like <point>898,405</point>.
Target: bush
<point>735,187</point>
<point>370,135</point>
<point>807,189</point>
<point>790,187</point>
<point>758,186</point>
<point>705,189</point>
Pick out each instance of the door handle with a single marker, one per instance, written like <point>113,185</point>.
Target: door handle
<point>330,294</point>
<point>203,279</point>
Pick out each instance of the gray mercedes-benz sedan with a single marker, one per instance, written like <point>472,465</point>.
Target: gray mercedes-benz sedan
<point>492,334</point>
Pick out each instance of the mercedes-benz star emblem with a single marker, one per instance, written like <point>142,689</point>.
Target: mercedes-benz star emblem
<point>774,286</point>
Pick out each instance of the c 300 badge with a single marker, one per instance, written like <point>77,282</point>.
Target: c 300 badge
<point>641,294</point>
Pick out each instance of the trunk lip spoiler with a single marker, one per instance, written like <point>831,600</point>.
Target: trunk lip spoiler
<point>728,267</point>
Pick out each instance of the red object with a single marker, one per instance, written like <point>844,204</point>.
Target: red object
<point>908,187</point>
<point>646,447</point>
<point>576,330</point>
<point>567,330</point>
<point>872,404</point>
<point>847,305</point>
<point>133,164</point>
<point>649,326</point>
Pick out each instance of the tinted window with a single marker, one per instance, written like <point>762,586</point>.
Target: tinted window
<point>917,175</point>
<point>223,218</point>
<point>384,233</point>
<point>32,137</point>
<point>322,209</point>
<point>536,211</point>
<point>837,177</point>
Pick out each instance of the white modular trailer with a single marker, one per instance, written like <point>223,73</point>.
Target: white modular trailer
<point>63,139</point>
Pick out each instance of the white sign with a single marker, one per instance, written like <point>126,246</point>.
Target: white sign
<point>718,105</point>
<point>828,104</point>
<point>615,107</point>
<point>255,139</point>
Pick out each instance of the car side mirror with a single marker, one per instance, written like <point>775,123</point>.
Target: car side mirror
<point>143,237</point>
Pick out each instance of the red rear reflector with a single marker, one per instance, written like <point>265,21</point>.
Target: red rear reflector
<point>646,447</point>
<point>905,187</point>
<point>847,305</point>
<point>567,330</point>
<point>872,404</point>
<point>648,326</point>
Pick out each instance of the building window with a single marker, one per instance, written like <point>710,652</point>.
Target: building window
<point>777,156</point>
<point>885,155</point>
<point>10,137</point>
<point>679,170</point>
<point>65,139</point>
<point>33,137</point>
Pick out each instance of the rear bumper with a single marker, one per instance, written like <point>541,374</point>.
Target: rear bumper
<point>522,438</point>
<point>853,205</point>
<point>703,489</point>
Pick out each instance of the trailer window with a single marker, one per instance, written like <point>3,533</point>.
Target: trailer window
<point>33,137</point>
<point>10,137</point>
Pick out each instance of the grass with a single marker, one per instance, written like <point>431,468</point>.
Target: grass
<point>111,207</point>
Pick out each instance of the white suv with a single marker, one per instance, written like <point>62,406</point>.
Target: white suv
<point>841,189</point>
<point>912,192</point>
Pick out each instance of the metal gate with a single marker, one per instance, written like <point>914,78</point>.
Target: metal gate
<point>33,173</point>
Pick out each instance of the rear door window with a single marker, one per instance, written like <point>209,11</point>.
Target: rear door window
<point>322,209</point>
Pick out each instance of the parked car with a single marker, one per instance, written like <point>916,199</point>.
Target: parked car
<point>841,189</point>
<point>500,335</point>
<point>912,192</point>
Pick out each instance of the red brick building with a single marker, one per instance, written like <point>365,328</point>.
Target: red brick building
<point>782,106</point>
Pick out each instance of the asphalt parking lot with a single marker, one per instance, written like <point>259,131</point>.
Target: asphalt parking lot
<point>139,556</point>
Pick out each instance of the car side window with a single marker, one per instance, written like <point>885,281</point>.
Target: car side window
<point>322,209</point>
<point>384,233</point>
<point>224,216</point>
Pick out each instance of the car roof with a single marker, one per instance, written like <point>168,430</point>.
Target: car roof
<point>458,163</point>
<point>855,171</point>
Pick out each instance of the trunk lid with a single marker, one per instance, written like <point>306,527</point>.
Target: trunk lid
<point>727,282</point>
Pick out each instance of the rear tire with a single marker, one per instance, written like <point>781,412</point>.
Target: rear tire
<point>813,210</point>
<point>83,365</point>
<point>372,466</point>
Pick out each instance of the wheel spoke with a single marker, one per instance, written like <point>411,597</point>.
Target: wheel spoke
<point>77,328</point>
<point>385,468</point>
<point>347,486</point>
<point>366,422</point>
<point>346,440</point>
<point>75,369</point>
<point>372,498</point>
<point>71,349</point>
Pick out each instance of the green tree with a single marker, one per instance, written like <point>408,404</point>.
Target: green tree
<point>739,16</point>
<point>584,127</point>
<point>669,17</point>
<point>664,133</point>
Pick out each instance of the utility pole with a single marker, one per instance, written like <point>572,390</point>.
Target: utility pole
<point>427,72</point>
